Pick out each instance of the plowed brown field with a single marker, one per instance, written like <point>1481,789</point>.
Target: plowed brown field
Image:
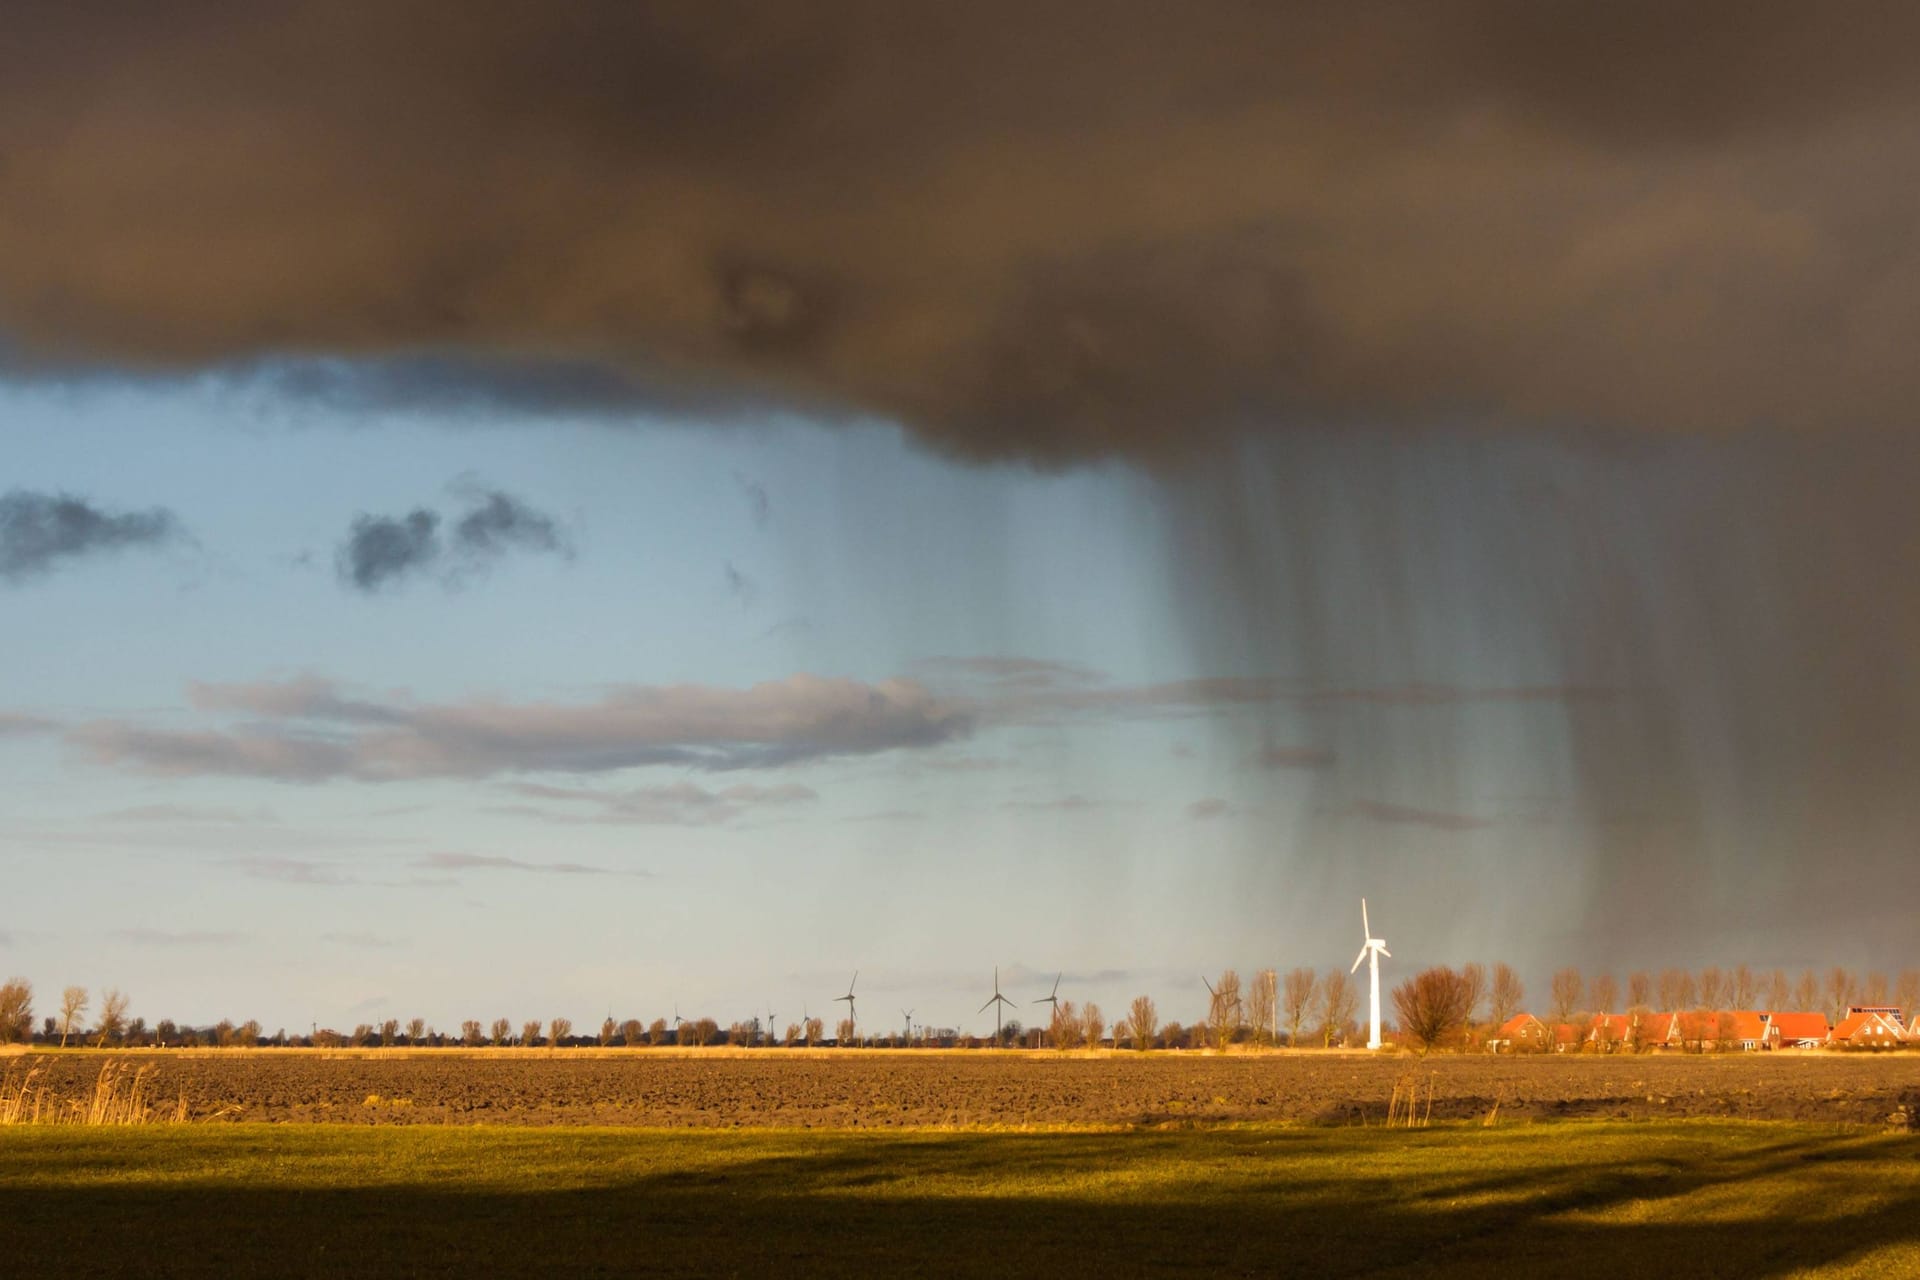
<point>867,1090</point>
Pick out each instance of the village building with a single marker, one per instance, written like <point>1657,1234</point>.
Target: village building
<point>1798,1030</point>
<point>1702,1030</point>
<point>1870,1028</point>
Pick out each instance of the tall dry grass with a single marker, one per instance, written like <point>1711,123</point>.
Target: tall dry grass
<point>121,1095</point>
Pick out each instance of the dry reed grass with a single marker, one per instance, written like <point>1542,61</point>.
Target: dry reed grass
<point>121,1095</point>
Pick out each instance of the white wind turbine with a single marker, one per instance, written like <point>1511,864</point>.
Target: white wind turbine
<point>1370,954</point>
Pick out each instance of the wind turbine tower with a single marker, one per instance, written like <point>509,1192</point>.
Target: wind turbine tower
<point>997,1004</point>
<point>852,1017</point>
<point>1370,953</point>
<point>1052,998</point>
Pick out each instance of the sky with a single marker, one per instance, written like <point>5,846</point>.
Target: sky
<point>626,508</point>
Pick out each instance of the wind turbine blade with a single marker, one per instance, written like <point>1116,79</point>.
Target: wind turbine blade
<point>1360,961</point>
<point>1388,954</point>
<point>1365,927</point>
<point>1056,984</point>
<point>983,1008</point>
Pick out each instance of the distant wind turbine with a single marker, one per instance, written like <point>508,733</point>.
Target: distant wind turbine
<point>908,1015</point>
<point>1053,998</point>
<point>996,1004</point>
<point>851,1015</point>
<point>1370,953</point>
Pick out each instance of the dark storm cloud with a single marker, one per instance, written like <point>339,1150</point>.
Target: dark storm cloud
<point>380,549</point>
<point>1055,232</point>
<point>502,523</point>
<point>41,531</point>
<point>384,549</point>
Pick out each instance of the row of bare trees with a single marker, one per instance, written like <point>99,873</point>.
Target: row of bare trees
<point>1434,1008</point>
<point>16,1015</point>
<point>1741,987</point>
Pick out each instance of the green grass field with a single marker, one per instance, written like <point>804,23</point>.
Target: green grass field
<point>1705,1199</point>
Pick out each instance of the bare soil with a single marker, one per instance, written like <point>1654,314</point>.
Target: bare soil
<point>855,1089</point>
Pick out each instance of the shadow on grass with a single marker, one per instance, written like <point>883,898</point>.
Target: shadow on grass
<point>1363,1203</point>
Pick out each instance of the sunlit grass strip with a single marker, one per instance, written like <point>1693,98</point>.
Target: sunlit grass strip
<point>1739,1198</point>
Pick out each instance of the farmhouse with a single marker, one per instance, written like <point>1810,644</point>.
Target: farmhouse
<point>1521,1032</point>
<point>1797,1030</point>
<point>1745,1030</point>
<point>1870,1028</point>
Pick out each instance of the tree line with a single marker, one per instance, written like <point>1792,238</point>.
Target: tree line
<point>1436,1008</point>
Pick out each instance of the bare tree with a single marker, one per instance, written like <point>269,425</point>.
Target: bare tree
<point>843,1033</point>
<point>1432,1005</point>
<point>1713,988</point>
<point>16,1011</point>
<point>1508,991</point>
<point>1263,1005</point>
<point>1093,1025</point>
<point>1778,990</point>
<point>657,1031</point>
<point>530,1033</point>
<point>416,1031</point>
<point>632,1033</point>
<point>113,1016</point>
<point>705,1031</point>
<point>1806,992</point>
<point>1746,988</point>
<point>1876,989</point>
<point>472,1034</point>
<point>1064,1029</point>
<point>815,1029</point>
<point>502,1031</point>
<point>1337,1001</point>
<point>1297,995</point>
<point>1568,991</point>
<point>558,1029</point>
<point>1906,994</point>
<point>1841,992</point>
<point>608,1030</point>
<point>1142,1018</point>
<point>1676,989</point>
<point>793,1033</point>
<point>389,1033</point>
<point>1224,1008</point>
<point>1172,1036</point>
<point>248,1034</point>
<point>1639,991</point>
<point>73,1003</point>
<point>1475,976</point>
<point>1603,993</point>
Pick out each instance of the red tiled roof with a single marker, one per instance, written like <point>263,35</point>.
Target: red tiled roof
<point>1519,1024</point>
<point>1869,1026</point>
<point>1801,1026</point>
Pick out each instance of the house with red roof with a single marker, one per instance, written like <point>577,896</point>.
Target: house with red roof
<point>1798,1030</point>
<point>1870,1028</point>
<point>1521,1033</point>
